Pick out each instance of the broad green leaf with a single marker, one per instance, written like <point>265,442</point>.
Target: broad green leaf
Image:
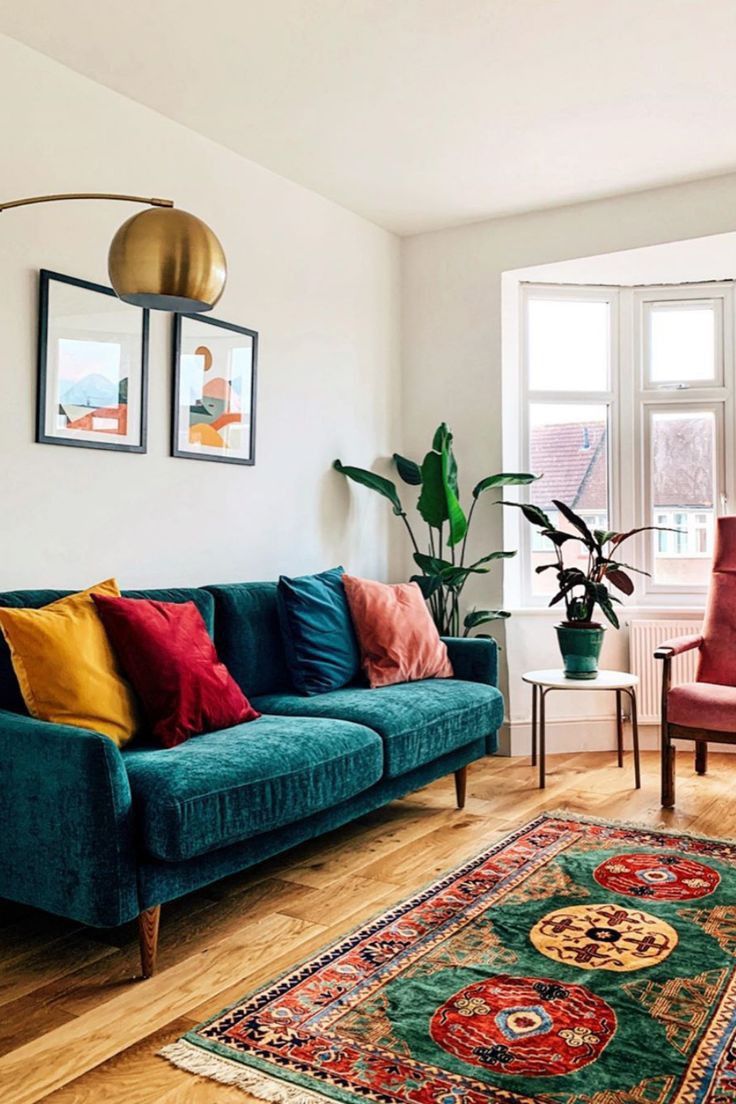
<point>455,514</point>
<point>440,437</point>
<point>452,575</point>
<point>504,479</point>
<point>533,514</point>
<point>576,521</point>
<point>558,537</point>
<point>374,482</point>
<point>491,556</point>
<point>431,565</point>
<point>481,617</point>
<point>438,501</point>
<point>609,612</point>
<point>428,584</point>
<point>604,535</point>
<point>408,470</point>
<point>432,504</point>
<point>625,566</point>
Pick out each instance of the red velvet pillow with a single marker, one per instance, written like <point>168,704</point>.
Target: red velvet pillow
<point>169,658</point>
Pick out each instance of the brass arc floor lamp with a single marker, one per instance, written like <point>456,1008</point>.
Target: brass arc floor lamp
<point>162,258</point>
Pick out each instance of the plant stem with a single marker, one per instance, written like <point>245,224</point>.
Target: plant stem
<point>409,531</point>
<point>467,530</point>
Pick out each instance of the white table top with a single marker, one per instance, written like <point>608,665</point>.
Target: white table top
<point>604,680</point>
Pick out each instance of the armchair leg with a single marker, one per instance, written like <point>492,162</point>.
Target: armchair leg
<point>148,923</point>
<point>461,780</point>
<point>701,756</point>
<point>668,771</point>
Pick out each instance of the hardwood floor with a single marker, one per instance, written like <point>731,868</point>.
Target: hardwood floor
<point>76,1027</point>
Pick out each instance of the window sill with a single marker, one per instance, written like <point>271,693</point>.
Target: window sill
<point>624,614</point>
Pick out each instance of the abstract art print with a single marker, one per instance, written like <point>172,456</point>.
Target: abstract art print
<point>214,390</point>
<point>92,367</point>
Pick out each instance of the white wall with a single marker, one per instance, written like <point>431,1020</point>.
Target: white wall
<point>452,358</point>
<point>318,283</point>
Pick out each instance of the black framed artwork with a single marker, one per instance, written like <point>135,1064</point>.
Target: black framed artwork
<point>92,367</point>
<point>214,390</point>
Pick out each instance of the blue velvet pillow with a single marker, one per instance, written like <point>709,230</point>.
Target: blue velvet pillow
<point>319,641</point>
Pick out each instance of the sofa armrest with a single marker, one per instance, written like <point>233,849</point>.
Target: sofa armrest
<point>677,645</point>
<point>473,658</point>
<point>65,822</point>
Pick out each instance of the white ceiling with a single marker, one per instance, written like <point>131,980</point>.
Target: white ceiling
<point>420,114</point>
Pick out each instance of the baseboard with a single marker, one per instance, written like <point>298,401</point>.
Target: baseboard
<point>581,734</point>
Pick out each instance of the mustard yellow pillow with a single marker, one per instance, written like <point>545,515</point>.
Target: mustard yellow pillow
<point>66,668</point>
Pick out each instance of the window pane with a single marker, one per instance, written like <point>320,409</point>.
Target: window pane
<point>568,445</point>
<point>683,446</point>
<point>568,345</point>
<point>682,345</point>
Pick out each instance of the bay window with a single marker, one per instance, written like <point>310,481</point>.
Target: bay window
<point>626,412</point>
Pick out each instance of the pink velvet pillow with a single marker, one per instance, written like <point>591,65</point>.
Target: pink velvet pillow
<point>397,637</point>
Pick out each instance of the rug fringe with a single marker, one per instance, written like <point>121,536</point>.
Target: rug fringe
<point>204,1063</point>
<point>585,818</point>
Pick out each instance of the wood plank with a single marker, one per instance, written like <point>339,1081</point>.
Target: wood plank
<point>78,1026</point>
<point>134,1074</point>
<point>45,1064</point>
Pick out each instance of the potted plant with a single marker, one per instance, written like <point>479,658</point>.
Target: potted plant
<point>443,575</point>
<point>580,637</point>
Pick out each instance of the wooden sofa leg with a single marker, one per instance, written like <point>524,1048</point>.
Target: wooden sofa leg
<point>461,781</point>
<point>148,922</point>
<point>701,756</point>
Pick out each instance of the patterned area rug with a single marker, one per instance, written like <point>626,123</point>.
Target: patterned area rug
<point>573,962</point>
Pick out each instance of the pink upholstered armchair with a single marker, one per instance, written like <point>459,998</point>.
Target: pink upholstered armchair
<point>704,710</point>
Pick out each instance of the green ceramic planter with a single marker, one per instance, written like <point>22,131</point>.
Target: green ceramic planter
<point>580,647</point>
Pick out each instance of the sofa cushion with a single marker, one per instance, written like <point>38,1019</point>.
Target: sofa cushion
<point>319,641</point>
<point>171,662</point>
<point>10,695</point>
<point>248,636</point>
<point>417,721</point>
<point>66,667</point>
<point>398,639</point>
<point>230,785</point>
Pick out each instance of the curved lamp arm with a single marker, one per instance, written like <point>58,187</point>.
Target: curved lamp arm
<point>158,259</point>
<point>154,202</point>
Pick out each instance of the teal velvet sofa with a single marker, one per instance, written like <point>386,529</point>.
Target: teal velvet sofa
<point>103,836</point>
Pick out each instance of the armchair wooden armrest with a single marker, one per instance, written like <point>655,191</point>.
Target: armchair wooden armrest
<point>677,645</point>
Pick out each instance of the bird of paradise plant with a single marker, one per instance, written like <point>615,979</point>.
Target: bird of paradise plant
<point>442,575</point>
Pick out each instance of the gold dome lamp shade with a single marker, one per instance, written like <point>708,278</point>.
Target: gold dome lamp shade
<point>162,258</point>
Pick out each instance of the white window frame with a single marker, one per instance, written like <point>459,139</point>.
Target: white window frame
<point>564,293</point>
<point>630,398</point>
<point>673,297</point>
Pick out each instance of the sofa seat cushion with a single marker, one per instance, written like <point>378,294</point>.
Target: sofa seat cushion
<point>417,721</point>
<point>227,786</point>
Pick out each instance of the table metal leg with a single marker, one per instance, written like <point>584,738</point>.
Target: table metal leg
<point>619,730</point>
<point>534,725</point>
<point>635,734</point>
<point>542,696</point>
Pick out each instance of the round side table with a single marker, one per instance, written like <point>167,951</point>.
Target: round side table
<point>620,682</point>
